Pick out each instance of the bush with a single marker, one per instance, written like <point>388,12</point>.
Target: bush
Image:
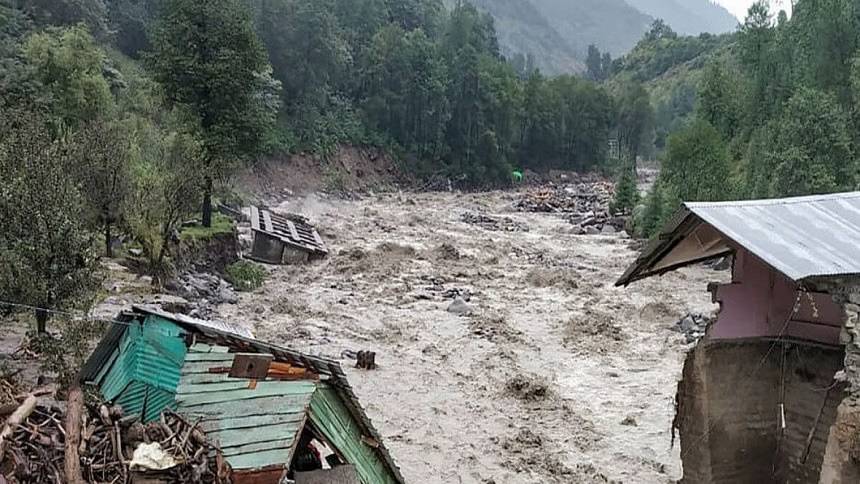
<point>246,275</point>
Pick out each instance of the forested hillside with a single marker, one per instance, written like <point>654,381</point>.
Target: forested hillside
<point>670,66</point>
<point>775,113</point>
<point>130,117</point>
<point>689,17</point>
<point>556,34</point>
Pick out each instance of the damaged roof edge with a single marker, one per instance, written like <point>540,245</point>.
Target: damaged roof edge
<point>682,223</point>
<point>802,238</point>
<point>322,366</point>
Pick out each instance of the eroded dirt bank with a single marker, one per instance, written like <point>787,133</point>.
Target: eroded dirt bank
<point>556,376</point>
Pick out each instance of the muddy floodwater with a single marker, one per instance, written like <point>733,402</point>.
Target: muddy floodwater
<point>548,373</point>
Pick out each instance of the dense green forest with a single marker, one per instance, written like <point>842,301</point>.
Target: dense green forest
<point>122,116</point>
<point>775,112</point>
<point>131,115</point>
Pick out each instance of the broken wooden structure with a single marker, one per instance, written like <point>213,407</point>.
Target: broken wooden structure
<point>772,391</point>
<point>271,411</point>
<point>279,239</point>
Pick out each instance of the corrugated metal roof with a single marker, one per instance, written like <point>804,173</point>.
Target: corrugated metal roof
<point>327,412</point>
<point>197,323</point>
<point>255,427</point>
<point>239,338</point>
<point>815,236</point>
<point>142,372</point>
<point>801,237</point>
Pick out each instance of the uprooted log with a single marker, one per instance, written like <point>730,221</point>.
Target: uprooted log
<point>18,417</point>
<point>111,447</point>
<point>74,415</point>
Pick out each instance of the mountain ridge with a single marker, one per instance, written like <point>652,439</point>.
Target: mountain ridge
<point>557,33</point>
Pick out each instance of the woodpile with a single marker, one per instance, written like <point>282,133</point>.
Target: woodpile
<point>578,197</point>
<point>585,203</point>
<point>34,439</point>
<point>494,224</point>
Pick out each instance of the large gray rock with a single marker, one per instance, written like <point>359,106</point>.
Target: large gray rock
<point>460,307</point>
<point>688,324</point>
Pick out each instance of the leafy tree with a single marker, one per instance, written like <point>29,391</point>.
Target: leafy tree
<point>660,30</point>
<point>91,13</point>
<point>102,160</point>
<point>635,120</point>
<point>718,100</point>
<point>68,63</point>
<point>696,163</point>
<point>131,20</point>
<point>606,65</point>
<point>209,60</point>
<point>651,218</point>
<point>755,39</point>
<point>46,251</point>
<point>812,149</point>
<point>626,193</point>
<point>164,192</point>
<point>405,81</point>
<point>594,64</point>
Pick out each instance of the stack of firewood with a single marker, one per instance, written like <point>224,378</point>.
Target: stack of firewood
<point>34,439</point>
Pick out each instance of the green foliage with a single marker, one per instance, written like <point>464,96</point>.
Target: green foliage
<point>46,251</point>
<point>626,193</point>
<point>246,275</point>
<point>91,13</point>
<point>69,65</point>
<point>696,163</point>
<point>221,224</point>
<point>635,120</point>
<point>776,114</point>
<point>650,219</point>
<point>103,169</point>
<point>207,57</point>
<point>165,167</point>
<point>811,148</point>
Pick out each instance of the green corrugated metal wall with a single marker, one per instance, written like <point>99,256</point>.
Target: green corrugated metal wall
<point>143,372</point>
<point>255,427</point>
<point>334,420</point>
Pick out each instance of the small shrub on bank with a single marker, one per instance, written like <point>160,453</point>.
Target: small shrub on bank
<point>246,275</point>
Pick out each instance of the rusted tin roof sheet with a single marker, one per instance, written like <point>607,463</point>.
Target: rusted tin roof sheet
<point>801,237</point>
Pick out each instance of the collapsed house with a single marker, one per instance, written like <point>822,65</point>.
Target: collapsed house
<point>772,392</point>
<point>279,239</point>
<point>271,411</point>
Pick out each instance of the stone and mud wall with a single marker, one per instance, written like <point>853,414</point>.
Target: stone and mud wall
<point>772,393</point>
<point>731,403</point>
<point>842,457</point>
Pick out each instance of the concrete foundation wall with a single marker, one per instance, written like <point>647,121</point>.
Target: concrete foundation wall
<point>729,411</point>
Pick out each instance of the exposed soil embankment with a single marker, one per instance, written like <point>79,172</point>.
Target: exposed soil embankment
<point>349,169</point>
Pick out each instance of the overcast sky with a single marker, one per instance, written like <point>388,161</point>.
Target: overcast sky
<point>739,7</point>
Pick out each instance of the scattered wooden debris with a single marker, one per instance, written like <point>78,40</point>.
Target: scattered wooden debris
<point>36,445</point>
<point>585,203</point>
<point>584,196</point>
<point>365,360</point>
<point>495,224</point>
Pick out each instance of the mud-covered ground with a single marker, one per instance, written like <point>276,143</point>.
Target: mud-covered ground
<point>557,376</point>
